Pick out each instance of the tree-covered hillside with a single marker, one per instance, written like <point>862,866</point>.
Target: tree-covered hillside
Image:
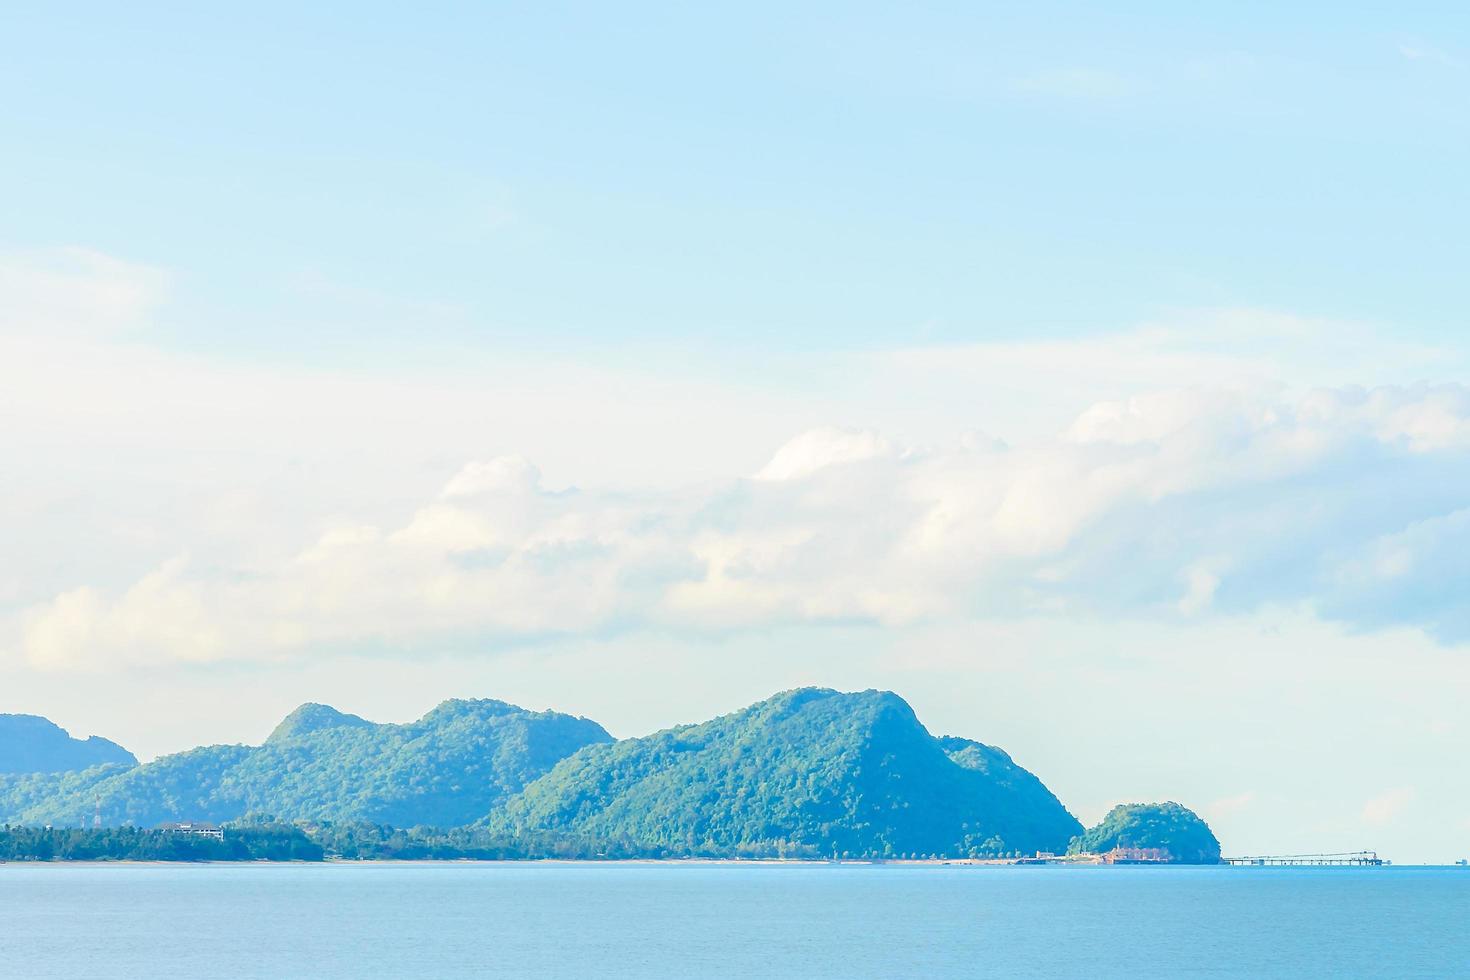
<point>29,743</point>
<point>1167,826</point>
<point>808,772</point>
<point>33,793</point>
<point>450,768</point>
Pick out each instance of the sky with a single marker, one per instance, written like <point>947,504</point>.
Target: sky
<point>1098,380</point>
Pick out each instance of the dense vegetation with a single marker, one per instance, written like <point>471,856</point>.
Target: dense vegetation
<point>369,842</point>
<point>267,842</point>
<point>450,768</point>
<point>35,792</point>
<point>30,744</point>
<point>1167,826</point>
<point>806,773</point>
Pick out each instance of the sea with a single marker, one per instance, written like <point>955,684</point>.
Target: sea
<point>688,920</point>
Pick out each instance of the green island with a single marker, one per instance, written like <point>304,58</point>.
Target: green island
<point>809,774</point>
<point>1139,828</point>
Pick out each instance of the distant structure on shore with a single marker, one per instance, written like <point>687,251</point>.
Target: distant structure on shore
<point>194,829</point>
<point>1148,833</point>
<point>1137,855</point>
<point>1368,859</point>
<point>1118,855</point>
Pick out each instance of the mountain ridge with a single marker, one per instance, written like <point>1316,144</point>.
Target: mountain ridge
<point>809,772</point>
<point>33,744</point>
<point>447,768</point>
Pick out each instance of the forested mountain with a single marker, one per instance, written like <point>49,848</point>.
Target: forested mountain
<point>808,772</point>
<point>25,797</point>
<point>29,743</point>
<point>1167,826</point>
<point>448,769</point>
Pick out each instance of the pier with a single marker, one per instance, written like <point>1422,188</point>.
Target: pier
<point>1364,859</point>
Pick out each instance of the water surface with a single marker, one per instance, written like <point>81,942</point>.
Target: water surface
<point>691,920</point>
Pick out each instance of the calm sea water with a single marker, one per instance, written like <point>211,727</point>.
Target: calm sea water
<point>687,920</point>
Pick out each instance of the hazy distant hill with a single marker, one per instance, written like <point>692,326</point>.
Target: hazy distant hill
<point>1168,826</point>
<point>29,744</point>
<point>809,771</point>
<point>450,768</point>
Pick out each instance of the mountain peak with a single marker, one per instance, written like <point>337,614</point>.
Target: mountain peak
<point>481,708</point>
<point>312,717</point>
<point>872,700</point>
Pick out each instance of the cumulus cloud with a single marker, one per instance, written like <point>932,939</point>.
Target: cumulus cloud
<point>819,448</point>
<point>1176,503</point>
<point>1418,573</point>
<point>506,474</point>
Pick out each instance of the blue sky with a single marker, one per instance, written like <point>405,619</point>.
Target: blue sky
<point>1095,379</point>
<point>830,176</point>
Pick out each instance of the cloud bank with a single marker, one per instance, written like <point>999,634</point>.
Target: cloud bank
<point>1182,503</point>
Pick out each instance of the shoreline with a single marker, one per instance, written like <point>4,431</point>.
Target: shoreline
<point>684,862</point>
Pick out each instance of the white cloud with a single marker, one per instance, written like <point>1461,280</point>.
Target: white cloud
<point>819,448</point>
<point>1211,488</point>
<point>240,511</point>
<point>1417,572</point>
<point>507,474</point>
<point>1201,584</point>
